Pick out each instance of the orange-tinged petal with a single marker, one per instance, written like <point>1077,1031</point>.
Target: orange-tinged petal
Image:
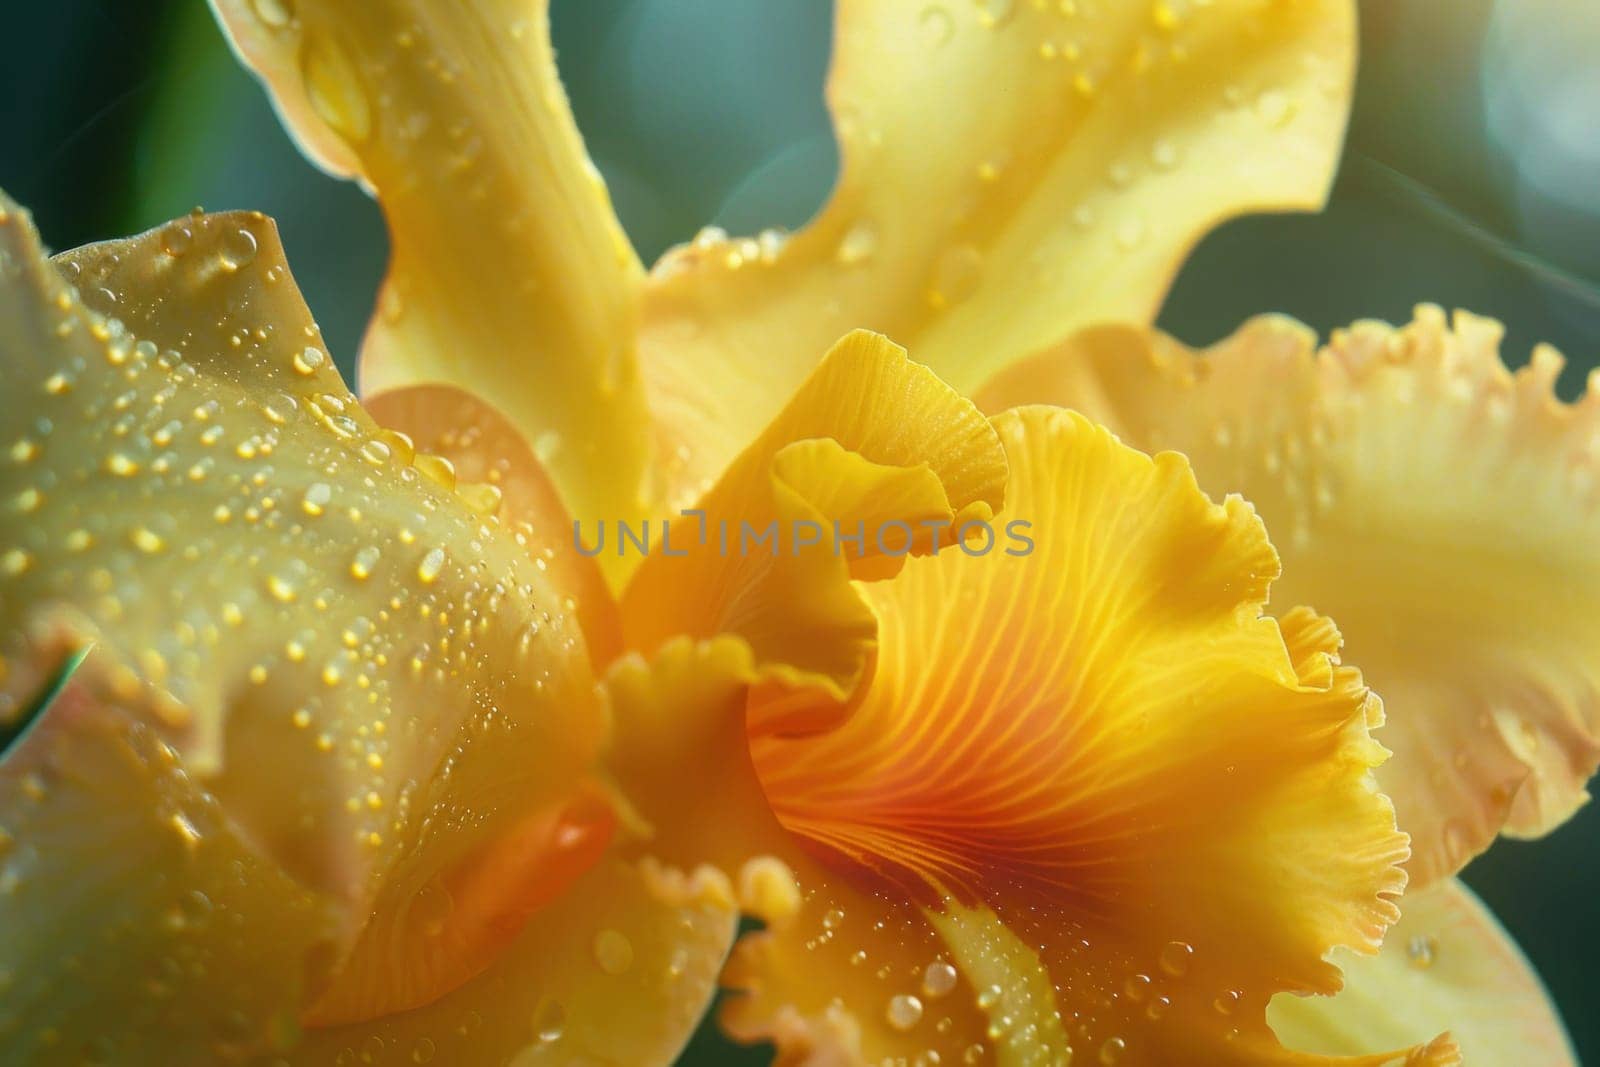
<point>1098,765</point>
<point>870,440</point>
<point>374,686</point>
<point>1011,170</point>
<point>1440,507</point>
<point>617,971</point>
<point>485,450</point>
<point>1087,797</point>
<point>1447,962</point>
<point>510,272</point>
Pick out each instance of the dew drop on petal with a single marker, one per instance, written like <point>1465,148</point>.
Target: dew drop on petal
<point>1421,951</point>
<point>904,1011</point>
<point>176,238</point>
<point>613,952</point>
<point>308,360</point>
<point>550,1021</point>
<point>1175,957</point>
<point>938,979</point>
<point>238,249</point>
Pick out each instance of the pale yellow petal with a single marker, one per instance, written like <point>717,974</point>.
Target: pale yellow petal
<point>368,681</point>
<point>1438,506</point>
<point>510,275</point>
<point>1011,170</point>
<point>1446,963</point>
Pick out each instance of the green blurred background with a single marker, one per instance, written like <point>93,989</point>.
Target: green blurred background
<point>1471,179</point>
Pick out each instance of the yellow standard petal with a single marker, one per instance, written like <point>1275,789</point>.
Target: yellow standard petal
<point>1446,963</point>
<point>508,265</point>
<point>1440,507</point>
<point>334,720</point>
<point>1010,170</point>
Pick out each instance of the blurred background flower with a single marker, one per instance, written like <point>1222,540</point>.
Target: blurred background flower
<point>1471,179</point>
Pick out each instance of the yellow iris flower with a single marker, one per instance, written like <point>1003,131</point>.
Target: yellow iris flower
<point>365,762</point>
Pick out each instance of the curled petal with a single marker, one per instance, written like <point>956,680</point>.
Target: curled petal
<point>377,690</point>
<point>508,264</point>
<point>873,446</point>
<point>1011,170</point>
<point>1447,962</point>
<point>1439,506</point>
<point>1121,804</point>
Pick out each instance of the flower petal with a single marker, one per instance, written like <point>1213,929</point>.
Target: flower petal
<point>1011,170</point>
<point>377,685</point>
<point>1102,748</point>
<point>1440,507</point>
<point>142,927</point>
<point>486,450</point>
<point>871,439</point>
<point>617,971</point>
<point>1446,962</point>
<point>508,264</point>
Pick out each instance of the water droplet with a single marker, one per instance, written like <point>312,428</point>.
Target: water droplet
<point>432,564</point>
<point>146,540</point>
<point>904,1011</point>
<point>422,1051</point>
<point>832,918</point>
<point>1111,1051</point>
<point>238,249</point>
<point>281,588</point>
<point>613,952</point>
<point>549,1021</point>
<point>365,559</point>
<point>1137,987</point>
<point>316,498</point>
<point>1175,958</point>
<point>1422,950</point>
<point>308,360</point>
<point>938,979</point>
<point>858,245</point>
<point>176,238</point>
<point>335,90</point>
